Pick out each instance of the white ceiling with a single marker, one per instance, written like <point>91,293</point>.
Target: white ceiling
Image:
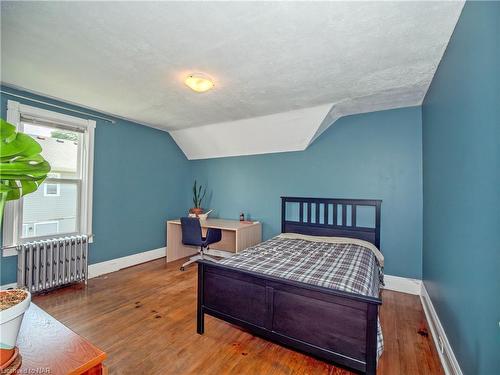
<point>130,58</point>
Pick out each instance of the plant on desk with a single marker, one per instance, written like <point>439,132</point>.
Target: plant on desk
<point>198,196</point>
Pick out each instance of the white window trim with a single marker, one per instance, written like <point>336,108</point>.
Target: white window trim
<point>11,220</point>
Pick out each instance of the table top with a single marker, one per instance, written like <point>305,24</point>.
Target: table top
<point>221,224</point>
<point>45,344</point>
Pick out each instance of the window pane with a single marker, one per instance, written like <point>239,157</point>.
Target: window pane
<point>45,214</point>
<point>51,189</point>
<point>47,228</point>
<point>59,147</point>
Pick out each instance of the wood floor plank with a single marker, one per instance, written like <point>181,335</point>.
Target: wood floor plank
<point>144,318</point>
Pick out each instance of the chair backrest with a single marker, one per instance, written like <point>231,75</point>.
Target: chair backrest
<point>191,231</point>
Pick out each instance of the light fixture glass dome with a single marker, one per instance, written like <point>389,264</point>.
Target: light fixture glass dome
<point>199,82</point>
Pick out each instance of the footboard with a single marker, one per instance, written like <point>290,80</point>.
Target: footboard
<point>333,325</point>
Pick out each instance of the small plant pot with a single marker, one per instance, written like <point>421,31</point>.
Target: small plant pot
<point>10,323</point>
<point>196,211</point>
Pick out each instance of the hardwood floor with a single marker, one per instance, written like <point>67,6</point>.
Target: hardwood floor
<point>144,318</point>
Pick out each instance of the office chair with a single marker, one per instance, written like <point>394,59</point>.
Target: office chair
<point>192,236</point>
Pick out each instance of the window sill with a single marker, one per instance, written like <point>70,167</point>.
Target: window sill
<point>9,252</point>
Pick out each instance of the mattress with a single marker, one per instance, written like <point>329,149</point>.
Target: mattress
<point>349,266</point>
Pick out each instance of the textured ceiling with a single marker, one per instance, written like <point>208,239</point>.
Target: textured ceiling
<point>130,58</point>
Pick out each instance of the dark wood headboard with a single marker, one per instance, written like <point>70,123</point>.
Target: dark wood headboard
<point>330,225</point>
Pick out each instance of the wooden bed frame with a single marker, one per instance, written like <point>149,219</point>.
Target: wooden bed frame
<point>331,324</point>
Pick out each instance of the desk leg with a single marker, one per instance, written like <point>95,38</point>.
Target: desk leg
<point>248,237</point>
<point>99,369</point>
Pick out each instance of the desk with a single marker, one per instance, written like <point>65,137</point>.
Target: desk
<point>49,347</point>
<point>236,236</point>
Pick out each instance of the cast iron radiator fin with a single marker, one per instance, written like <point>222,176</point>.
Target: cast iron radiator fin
<point>51,263</point>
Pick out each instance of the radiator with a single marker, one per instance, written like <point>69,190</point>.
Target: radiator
<point>51,263</point>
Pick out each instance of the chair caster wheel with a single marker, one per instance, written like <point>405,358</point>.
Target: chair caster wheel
<point>182,268</point>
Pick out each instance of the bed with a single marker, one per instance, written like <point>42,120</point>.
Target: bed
<point>316,295</point>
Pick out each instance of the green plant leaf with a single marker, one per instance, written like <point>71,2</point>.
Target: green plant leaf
<point>196,195</point>
<point>25,169</point>
<point>14,191</point>
<point>22,168</point>
<point>203,195</point>
<point>195,198</point>
<point>8,131</point>
<point>29,186</point>
<point>21,145</point>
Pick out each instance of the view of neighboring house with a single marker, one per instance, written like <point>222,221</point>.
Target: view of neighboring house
<point>52,209</point>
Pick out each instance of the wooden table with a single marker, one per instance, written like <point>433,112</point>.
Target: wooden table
<point>236,236</point>
<point>49,347</point>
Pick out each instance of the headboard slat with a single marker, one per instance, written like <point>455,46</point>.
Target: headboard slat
<point>335,229</point>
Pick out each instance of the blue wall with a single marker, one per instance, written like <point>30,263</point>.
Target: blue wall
<point>375,155</point>
<point>140,180</point>
<point>461,156</point>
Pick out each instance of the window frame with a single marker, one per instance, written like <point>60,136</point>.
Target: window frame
<point>27,228</point>
<point>12,228</point>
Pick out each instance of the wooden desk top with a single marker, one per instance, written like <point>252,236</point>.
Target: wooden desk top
<point>49,347</point>
<point>221,224</point>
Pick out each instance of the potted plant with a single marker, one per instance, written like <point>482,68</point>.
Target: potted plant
<point>22,171</point>
<point>198,197</point>
<point>13,304</point>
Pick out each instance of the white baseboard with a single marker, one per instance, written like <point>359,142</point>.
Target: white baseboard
<point>396,283</point>
<point>443,347</point>
<point>403,284</point>
<point>113,265</point>
<point>117,264</point>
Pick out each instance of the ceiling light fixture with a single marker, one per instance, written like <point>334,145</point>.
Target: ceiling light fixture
<point>199,82</point>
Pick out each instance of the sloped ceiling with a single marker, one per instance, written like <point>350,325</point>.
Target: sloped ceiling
<point>283,71</point>
<point>287,131</point>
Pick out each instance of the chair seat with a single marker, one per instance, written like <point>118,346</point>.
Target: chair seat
<point>192,234</point>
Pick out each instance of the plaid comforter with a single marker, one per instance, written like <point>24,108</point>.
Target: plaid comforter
<point>347,267</point>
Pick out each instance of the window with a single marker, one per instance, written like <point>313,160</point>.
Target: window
<point>62,205</point>
<point>52,190</point>
<point>46,228</point>
<point>27,229</point>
